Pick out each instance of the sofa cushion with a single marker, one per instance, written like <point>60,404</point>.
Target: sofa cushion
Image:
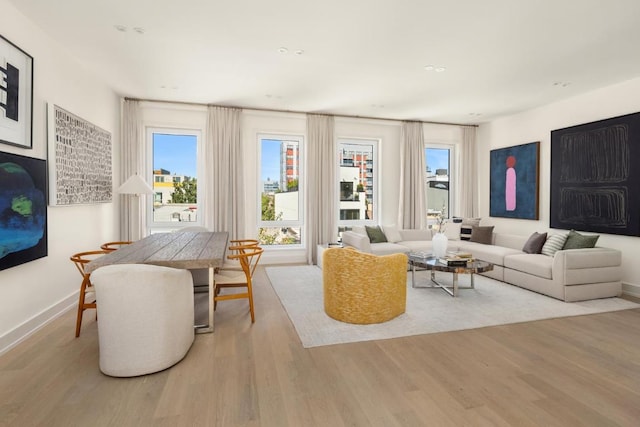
<point>554,243</point>
<point>392,233</point>
<point>535,243</point>
<point>415,234</point>
<point>576,240</point>
<point>482,234</point>
<point>387,248</point>
<point>534,264</point>
<point>490,253</point>
<point>375,234</point>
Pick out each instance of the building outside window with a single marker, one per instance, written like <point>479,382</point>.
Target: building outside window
<point>438,161</point>
<point>280,204</point>
<point>357,181</point>
<point>174,157</point>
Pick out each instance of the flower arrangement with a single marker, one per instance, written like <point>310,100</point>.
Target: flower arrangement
<point>441,221</point>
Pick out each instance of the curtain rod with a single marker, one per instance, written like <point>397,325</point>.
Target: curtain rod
<point>295,112</point>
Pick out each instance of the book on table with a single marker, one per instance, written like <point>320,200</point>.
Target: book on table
<point>466,255</point>
<point>454,261</point>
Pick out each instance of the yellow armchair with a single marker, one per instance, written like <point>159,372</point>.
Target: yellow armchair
<point>363,288</point>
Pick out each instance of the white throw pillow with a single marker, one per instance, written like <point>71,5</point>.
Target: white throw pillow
<point>392,233</point>
<point>554,243</point>
<point>452,230</point>
<point>359,229</point>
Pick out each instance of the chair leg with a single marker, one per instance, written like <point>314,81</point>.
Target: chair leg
<point>250,295</point>
<point>80,311</point>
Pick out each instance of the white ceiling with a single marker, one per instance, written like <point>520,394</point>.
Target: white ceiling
<point>361,57</point>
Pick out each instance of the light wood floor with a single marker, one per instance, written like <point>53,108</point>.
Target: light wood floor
<point>582,371</point>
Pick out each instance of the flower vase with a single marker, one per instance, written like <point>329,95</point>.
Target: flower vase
<point>439,245</point>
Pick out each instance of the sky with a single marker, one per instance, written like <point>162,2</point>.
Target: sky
<point>437,158</point>
<point>175,153</point>
<point>270,163</point>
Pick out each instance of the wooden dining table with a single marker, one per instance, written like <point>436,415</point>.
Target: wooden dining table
<point>185,250</point>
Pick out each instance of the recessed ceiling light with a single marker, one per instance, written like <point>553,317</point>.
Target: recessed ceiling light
<point>138,30</point>
<point>299,52</point>
<point>120,28</point>
<point>429,67</point>
<point>440,69</point>
<point>562,84</point>
<point>283,50</point>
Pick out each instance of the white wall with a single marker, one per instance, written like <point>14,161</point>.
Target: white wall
<point>536,125</point>
<point>33,293</point>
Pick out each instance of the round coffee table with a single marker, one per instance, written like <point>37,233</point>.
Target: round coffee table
<point>431,263</point>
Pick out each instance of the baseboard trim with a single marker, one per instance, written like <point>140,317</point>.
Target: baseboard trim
<point>631,289</point>
<point>28,328</point>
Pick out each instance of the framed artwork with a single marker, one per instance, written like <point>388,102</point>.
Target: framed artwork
<point>23,209</point>
<point>594,176</point>
<point>16,95</point>
<point>514,186</point>
<point>79,160</point>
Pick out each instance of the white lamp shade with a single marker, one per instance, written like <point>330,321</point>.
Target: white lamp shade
<point>135,185</point>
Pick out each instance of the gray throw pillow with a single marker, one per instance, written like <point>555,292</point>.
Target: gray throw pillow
<point>375,234</point>
<point>576,240</point>
<point>535,243</point>
<point>482,234</point>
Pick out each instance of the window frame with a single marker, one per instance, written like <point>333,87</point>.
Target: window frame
<point>151,225</point>
<point>375,142</point>
<point>300,222</point>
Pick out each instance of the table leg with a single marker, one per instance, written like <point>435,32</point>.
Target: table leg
<point>202,329</point>
<point>455,284</point>
<point>472,284</point>
<point>413,275</point>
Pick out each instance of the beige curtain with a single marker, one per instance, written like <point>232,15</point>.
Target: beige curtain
<point>132,161</point>
<point>321,194</point>
<point>224,172</point>
<point>412,212</point>
<point>467,174</point>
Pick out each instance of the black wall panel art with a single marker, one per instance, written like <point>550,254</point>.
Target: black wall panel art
<point>595,176</point>
<point>16,95</point>
<point>23,209</point>
<point>79,160</point>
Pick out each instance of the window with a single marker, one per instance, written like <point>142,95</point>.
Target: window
<point>438,161</point>
<point>280,204</point>
<point>174,161</point>
<point>357,181</point>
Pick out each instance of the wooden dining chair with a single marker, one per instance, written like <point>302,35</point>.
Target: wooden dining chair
<point>248,257</point>
<point>87,298</point>
<point>112,246</point>
<point>238,245</point>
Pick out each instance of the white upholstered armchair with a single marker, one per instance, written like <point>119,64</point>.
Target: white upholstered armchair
<point>145,317</point>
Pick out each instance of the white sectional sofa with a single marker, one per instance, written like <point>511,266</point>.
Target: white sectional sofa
<point>569,275</point>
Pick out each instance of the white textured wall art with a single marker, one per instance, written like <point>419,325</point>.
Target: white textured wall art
<point>79,160</point>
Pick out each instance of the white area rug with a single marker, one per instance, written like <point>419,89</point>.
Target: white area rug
<point>428,310</point>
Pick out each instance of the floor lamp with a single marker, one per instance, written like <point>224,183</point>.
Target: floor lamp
<point>134,186</point>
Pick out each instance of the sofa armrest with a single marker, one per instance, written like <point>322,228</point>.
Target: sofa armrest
<point>589,265</point>
<point>422,235</point>
<point>359,241</point>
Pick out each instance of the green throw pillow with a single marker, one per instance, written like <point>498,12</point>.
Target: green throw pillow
<point>576,240</point>
<point>375,234</point>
